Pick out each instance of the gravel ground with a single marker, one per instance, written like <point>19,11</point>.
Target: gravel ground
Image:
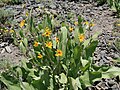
<point>104,21</point>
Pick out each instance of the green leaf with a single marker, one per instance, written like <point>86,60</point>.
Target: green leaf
<point>10,85</point>
<point>94,75</point>
<point>85,79</point>
<point>49,21</point>
<point>25,41</point>
<point>38,85</point>
<point>112,72</point>
<point>22,48</point>
<point>26,86</point>
<point>75,84</point>
<point>76,34</point>
<point>96,68</point>
<point>86,42</point>
<point>51,87</point>
<point>14,87</point>
<point>90,49</point>
<point>86,65</point>
<point>77,52</point>
<point>63,78</point>
<point>21,33</point>
<point>96,35</point>
<point>80,19</point>
<point>64,40</point>
<point>31,73</point>
<point>54,43</point>
<point>65,68</point>
<point>19,71</point>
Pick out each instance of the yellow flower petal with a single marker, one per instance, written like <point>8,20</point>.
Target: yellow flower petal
<point>57,40</point>
<point>39,55</point>
<point>22,23</point>
<point>12,31</point>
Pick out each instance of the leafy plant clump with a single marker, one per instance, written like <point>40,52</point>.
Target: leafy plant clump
<point>57,60</point>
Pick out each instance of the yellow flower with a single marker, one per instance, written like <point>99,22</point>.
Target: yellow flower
<point>47,32</point>
<point>36,44</point>
<point>118,24</point>
<point>39,55</point>
<point>48,44</point>
<point>12,31</point>
<point>20,40</point>
<point>57,39</point>
<point>76,23</point>
<point>27,14</point>
<point>91,24</point>
<point>70,29</point>
<point>58,53</point>
<point>6,31</point>
<point>22,23</point>
<point>81,37</point>
<point>86,23</point>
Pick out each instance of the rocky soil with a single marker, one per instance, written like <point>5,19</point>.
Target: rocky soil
<point>103,18</point>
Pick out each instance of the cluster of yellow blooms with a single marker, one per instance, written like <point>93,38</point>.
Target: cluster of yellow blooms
<point>89,24</point>
<point>49,44</point>
<point>11,31</point>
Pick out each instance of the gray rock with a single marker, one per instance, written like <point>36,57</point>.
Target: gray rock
<point>7,48</point>
<point>52,6</point>
<point>3,50</point>
<point>88,11</point>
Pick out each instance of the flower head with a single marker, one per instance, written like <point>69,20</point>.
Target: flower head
<point>76,23</point>
<point>6,31</point>
<point>12,31</point>
<point>81,37</point>
<point>117,24</point>
<point>26,13</point>
<point>91,24</point>
<point>48,44</point>
<point>86,23</point>
<point>40,55</point>
<point>36,44</point>
<point>47,32</point>
<point>22,23</point>
<point>58,53</point>
<point>57,39</point>
<point>71,29</point>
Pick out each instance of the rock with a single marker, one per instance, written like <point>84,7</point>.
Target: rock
<point>111,83</point>
<point>3,50</point>
<point>52,6</point>
<point>88,11</point>
<point>3,44</point>
<point>8,49</point>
